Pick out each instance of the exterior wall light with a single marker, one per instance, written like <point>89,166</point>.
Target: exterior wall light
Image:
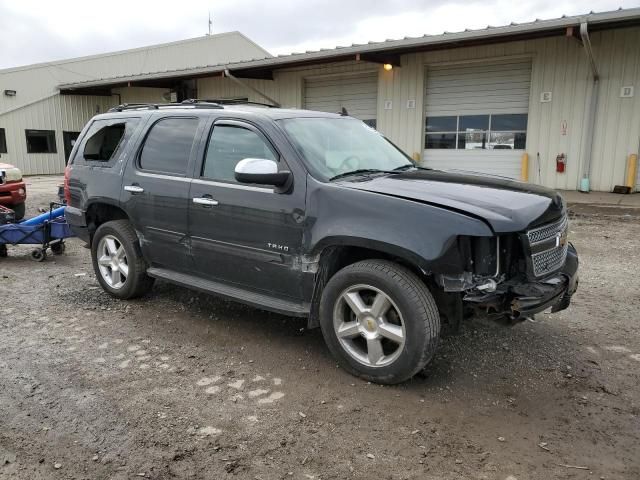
<point>10,93</point>
<point>388,67</point>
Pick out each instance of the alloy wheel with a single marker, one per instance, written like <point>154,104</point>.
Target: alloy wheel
<point>369,325</point>
<point>112,261</point>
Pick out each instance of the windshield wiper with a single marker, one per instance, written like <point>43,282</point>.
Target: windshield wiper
<point>404,167</point>
<point>360,171</point>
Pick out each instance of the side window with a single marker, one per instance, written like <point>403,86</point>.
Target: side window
<point>41,141</point>
<point>168,145</point>
<point>227,146</point>
<point>103,142</point>
<point>102,145</point>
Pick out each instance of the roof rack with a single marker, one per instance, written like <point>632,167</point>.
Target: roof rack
<point>192,102</point>
<point>237,101</point>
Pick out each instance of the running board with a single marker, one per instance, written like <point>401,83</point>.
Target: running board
<point>259,300</point>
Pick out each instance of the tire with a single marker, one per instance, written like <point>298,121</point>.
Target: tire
<point>58,248</point>
<point>109,237</point>
<point>408,328</point>
<point>38,255</point>
<point>19,210</point>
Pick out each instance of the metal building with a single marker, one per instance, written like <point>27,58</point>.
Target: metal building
<point>39,122</point>
<point>563,91</point>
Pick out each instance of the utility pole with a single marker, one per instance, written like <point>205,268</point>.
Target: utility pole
<point>210,24</point>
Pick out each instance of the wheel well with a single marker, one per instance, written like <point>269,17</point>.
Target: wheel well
<point>335,258</point>
<point>99,213</point>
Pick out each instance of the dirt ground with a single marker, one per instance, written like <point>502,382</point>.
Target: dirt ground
<point>184,385</point>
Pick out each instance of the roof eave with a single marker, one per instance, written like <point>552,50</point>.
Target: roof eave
<point>263,68</point>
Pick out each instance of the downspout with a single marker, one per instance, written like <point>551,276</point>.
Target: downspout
<point>593,109</point>
<point>228,74</point>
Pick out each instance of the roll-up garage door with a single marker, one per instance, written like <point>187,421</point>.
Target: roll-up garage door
<point>476,116</point>
<point>357,93</point>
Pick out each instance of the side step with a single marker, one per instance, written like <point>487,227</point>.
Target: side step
<point>237,294</point>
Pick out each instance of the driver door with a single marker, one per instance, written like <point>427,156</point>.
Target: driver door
<point>246,235</point>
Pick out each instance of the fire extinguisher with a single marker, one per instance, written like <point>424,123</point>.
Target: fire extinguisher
<point>561,163</point>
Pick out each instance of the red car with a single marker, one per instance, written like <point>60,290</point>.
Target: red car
<point>13,191</point>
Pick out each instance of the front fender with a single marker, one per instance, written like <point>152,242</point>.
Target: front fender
<point>425,235</point>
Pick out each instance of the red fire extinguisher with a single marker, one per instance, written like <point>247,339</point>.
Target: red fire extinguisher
<point>561,163</point>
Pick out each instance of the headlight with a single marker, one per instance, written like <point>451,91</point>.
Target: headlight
<point>12,175</point>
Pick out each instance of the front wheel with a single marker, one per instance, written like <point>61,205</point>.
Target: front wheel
<point>380,321</point>
<point>118,262</point>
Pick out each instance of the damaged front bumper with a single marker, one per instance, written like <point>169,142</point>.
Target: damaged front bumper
<point>521,298</point>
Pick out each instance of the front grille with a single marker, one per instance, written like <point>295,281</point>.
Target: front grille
<point>549,260</point>
<point>548,246</point>
<point>548,231</point>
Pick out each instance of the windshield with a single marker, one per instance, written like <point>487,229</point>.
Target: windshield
<point>336,146</point>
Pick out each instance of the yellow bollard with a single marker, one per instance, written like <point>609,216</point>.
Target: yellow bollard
<point>524,168</point>
<point>632,170</point>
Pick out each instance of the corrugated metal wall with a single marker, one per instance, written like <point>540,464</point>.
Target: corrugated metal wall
<point>559,65</point>
<point>59,113</point>
<point>357,93</point>
<point>287,86</point>
<point>37,104</point>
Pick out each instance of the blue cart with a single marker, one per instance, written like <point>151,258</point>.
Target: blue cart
<point>48,231</point>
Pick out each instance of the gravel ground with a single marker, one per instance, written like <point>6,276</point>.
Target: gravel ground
<point>183,385</point>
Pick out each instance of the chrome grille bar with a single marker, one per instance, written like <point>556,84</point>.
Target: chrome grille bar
<point>548,255</point>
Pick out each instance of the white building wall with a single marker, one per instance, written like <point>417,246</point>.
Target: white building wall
<point>59,113</point>
<point>559,65</point>
<point>38,105</point>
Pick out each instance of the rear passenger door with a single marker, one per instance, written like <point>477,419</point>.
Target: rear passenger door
<point>155,190</point>
<point>247,235</point>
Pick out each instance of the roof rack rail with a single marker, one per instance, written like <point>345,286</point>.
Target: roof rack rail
<point>156,106</point>
<point>237,101</point>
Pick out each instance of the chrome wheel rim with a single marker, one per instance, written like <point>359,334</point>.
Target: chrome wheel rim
<point>112,261</point>
<point>369,326</point>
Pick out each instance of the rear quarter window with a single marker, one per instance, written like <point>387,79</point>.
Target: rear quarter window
<point>105,141</point>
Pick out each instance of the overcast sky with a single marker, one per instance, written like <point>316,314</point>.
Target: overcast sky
<point>42,30</point>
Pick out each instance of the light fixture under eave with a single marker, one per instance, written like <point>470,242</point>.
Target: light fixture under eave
<point>388,67</point>
<point>10,93</point>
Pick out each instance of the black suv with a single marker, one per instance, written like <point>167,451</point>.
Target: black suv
<point>314,215</point>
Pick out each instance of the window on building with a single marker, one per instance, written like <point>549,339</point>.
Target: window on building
<point>227,146</point>
<point>41,141</point>
<point>477,132</point>
<point>3,141</point>
<point>168,145</point>
<point>103,144</point>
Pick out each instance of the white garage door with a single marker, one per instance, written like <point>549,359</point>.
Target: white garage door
<point>476,117</point>
<point>356,93</point>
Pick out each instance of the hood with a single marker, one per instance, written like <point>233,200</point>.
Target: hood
<point>506,205</point>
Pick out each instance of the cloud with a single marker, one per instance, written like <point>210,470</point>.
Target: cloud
<point>40,30</point>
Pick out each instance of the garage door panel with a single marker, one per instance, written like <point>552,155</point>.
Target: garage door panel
<point>458,90</point>
<point>479,68</point>
<point>477,89</point>
<point>357,93</point>
<point>318,97</point>
<point>475,80</point>
<point>490,162</point>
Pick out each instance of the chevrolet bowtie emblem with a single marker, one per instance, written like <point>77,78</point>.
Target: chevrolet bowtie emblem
<point>561,238</point>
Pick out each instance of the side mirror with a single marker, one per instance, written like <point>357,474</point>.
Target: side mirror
<point>261,171</point>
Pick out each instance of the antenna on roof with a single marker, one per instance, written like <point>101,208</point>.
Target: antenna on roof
<point>210,24</point>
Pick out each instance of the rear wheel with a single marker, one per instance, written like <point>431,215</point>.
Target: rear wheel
<point>19,210</point>
<point>118,262</point>
<point>380,321</point>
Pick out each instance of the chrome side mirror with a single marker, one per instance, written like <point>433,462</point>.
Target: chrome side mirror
<point>261,171</point>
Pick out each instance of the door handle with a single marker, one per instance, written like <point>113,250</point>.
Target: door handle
<point>133,189</point>
<point>207,202</point>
